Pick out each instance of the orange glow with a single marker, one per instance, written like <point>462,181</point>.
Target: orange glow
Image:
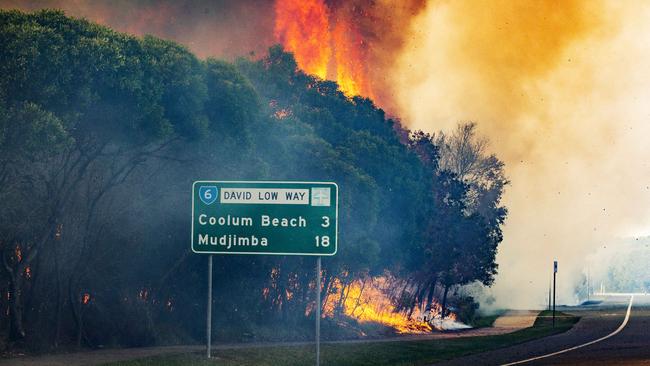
<point>282,113</point>
<point>85,298</point>
<point>370,301</point>
<point>303,28</point>
<point>350,60</point>
<point>18,253</point>
<point>325,43</point>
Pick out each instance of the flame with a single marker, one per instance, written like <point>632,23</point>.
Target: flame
<point>369,300</point>
<point>18,253</point>
<point>349,55</point>
<point>303,28</point>
<point>325,42</point>
<point>85,298</point>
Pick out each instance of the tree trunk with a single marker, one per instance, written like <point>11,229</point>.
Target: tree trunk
<point>444,302</point>
<point>75,308</point>
<point>414,301</point>
<point>339,303</point>
<point>16,328</point>
<point>57,335</point>
<point>432,289</point>
<point>326,289</point>
<point>358,302</point>
<point>427,309</point>
<point>80,327</point>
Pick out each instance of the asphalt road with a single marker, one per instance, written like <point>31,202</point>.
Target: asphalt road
<point>630,346</point>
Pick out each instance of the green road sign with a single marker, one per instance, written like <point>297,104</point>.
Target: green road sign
<point>282,218</point>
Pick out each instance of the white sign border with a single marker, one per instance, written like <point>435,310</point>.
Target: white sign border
<point>336,232</point>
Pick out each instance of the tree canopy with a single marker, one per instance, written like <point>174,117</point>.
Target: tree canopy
<point>102,134</point>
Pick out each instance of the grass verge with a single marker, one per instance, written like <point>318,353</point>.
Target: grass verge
<point>400,353</point>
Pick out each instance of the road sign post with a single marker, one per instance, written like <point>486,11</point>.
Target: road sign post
<point>318,305</point>
<point>273,218</point>
<point>208,331</point>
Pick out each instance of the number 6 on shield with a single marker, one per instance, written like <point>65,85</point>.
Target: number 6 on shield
<point>208,194</point>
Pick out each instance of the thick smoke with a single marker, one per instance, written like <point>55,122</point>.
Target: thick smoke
<point>208,28</point>
<point>561,90</point>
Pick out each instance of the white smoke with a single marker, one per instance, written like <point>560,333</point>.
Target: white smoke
<point>577,148</point>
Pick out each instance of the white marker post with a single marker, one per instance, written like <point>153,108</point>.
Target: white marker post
<point>554,275</point>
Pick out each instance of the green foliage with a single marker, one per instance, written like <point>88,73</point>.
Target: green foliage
<point>88,114</point>
<point>26,130</point>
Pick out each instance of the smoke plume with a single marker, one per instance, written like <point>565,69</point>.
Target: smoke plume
<point>560,88</point>
<point>220,28</point>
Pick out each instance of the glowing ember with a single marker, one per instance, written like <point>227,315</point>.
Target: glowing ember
<point>282,113</point>
<point>85,298</point>
<point>18,253</point>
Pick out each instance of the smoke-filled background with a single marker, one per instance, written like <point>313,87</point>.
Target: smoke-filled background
<point>559,88</point>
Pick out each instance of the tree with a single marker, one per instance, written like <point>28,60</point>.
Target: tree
<point>465,154</point>
<point>119,111</point>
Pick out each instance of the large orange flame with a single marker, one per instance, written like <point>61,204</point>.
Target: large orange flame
<point>325,42</point>
<point>303,28</point>
<point>350,60</point>
<point>369,300</point>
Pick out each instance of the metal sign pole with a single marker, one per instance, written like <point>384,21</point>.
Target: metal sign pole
<point>318,282</point>
<point>208,325</point>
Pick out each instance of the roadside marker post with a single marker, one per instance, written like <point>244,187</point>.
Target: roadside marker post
<point>554,275</point>
<point>265,218</point>
<point>550,280</point>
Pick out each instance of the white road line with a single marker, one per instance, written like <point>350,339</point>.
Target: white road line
<point>618,330</point>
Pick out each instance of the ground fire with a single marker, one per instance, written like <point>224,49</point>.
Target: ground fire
<point>372,300</point>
